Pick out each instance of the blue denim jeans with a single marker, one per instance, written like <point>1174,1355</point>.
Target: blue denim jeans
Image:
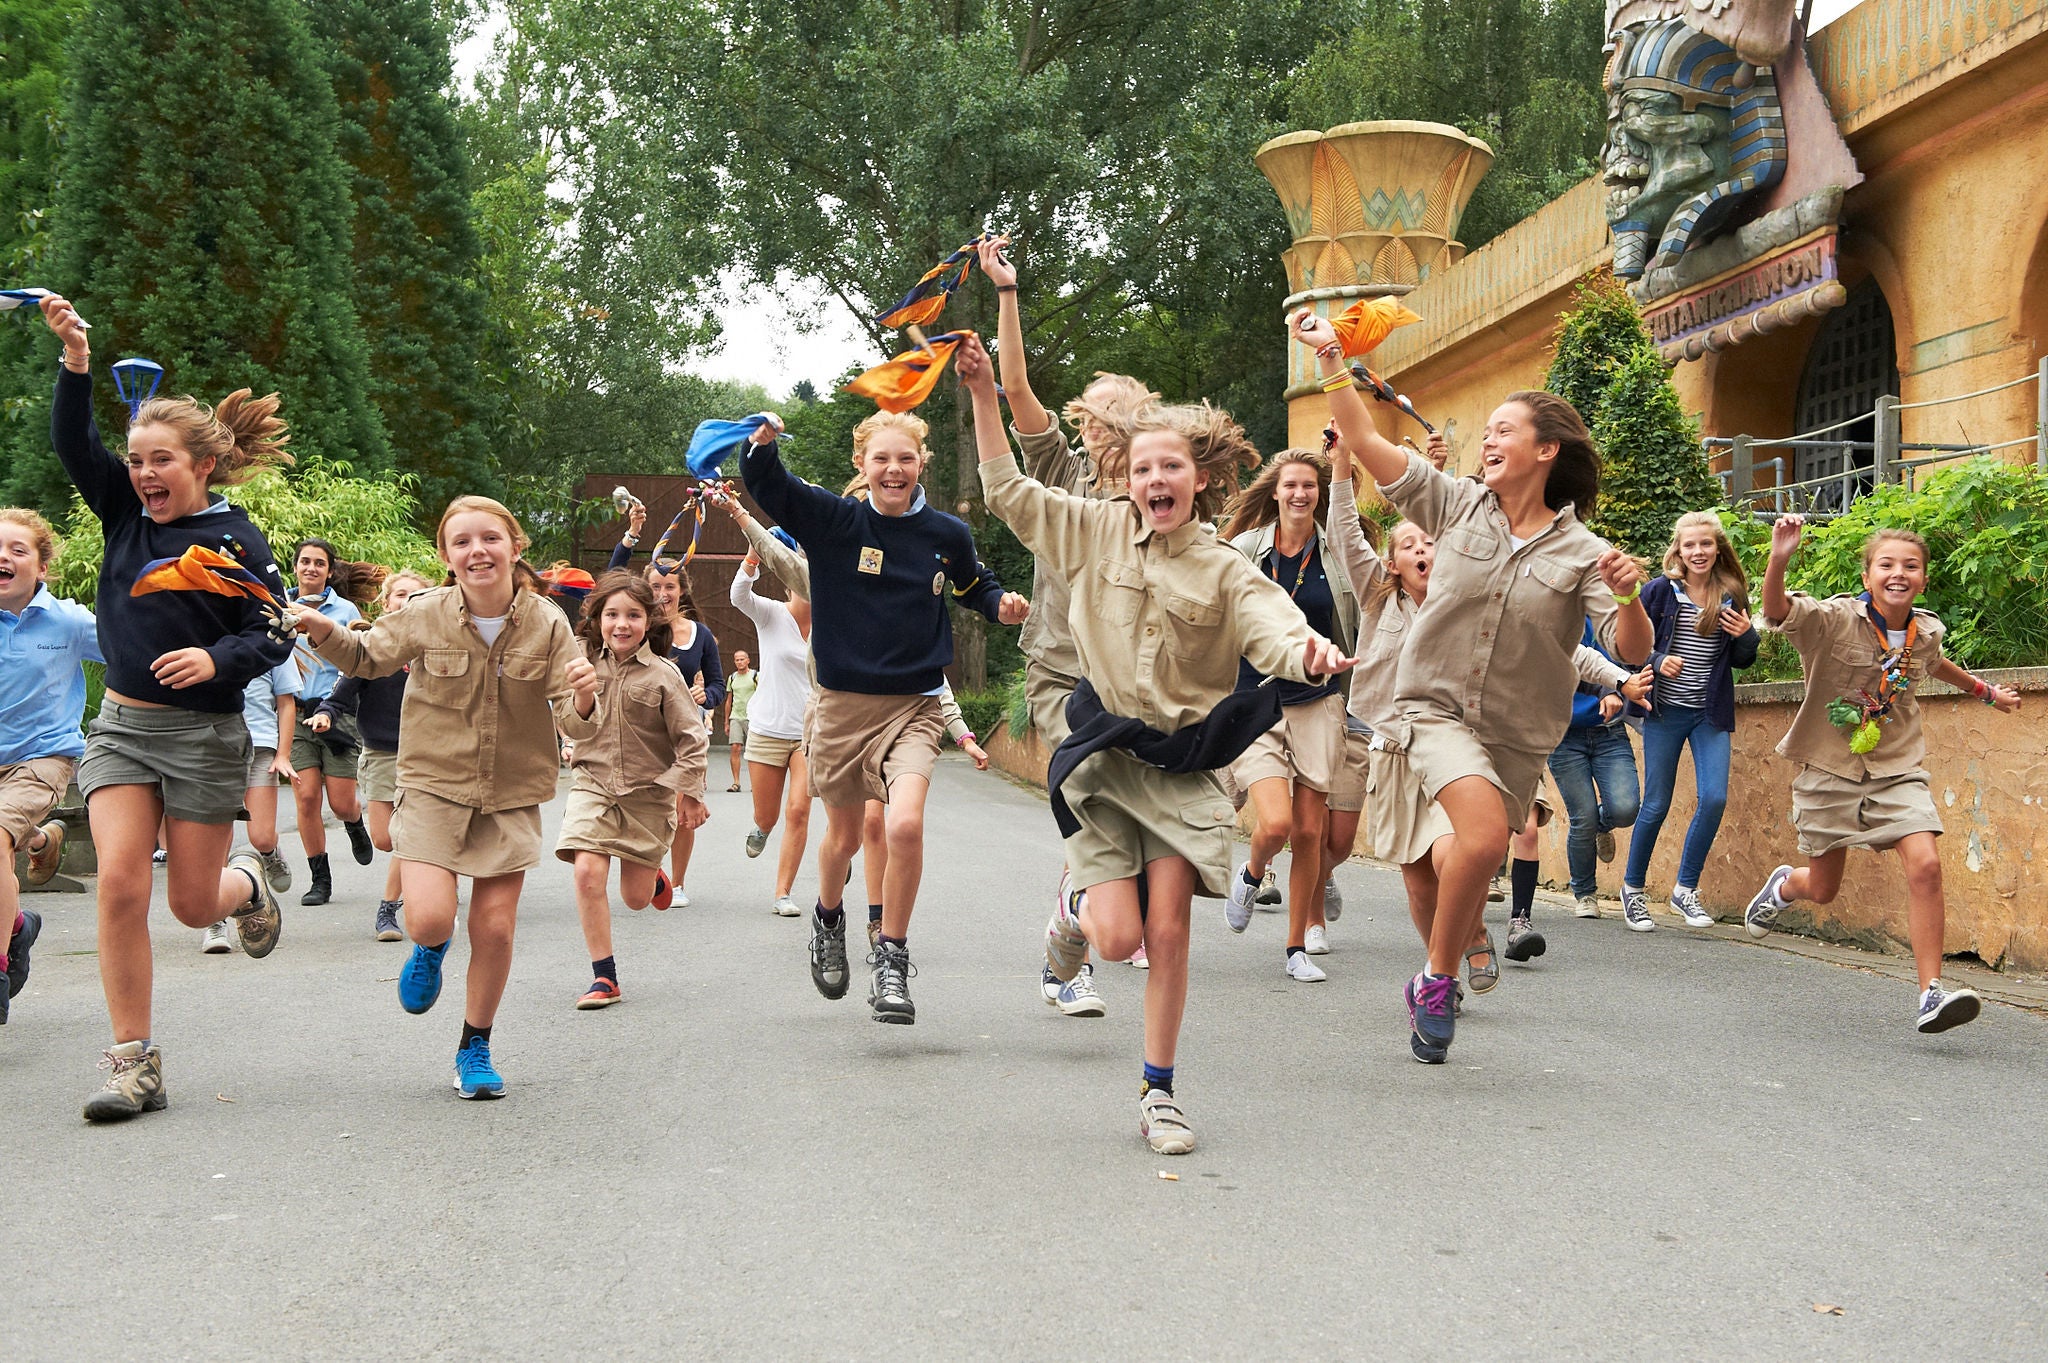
<point>1665,732</point>
<point>1595,771</point>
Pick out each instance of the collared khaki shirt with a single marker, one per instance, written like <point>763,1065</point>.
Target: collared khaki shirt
<point>1159,621</point>
<point>476,726</point>
<point>1840,651</point>
<point>1494,642</point>
<point>651,734</point>
<point>1046,639</point>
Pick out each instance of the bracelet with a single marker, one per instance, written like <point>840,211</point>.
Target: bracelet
<point>1629,600</point>
<point>1332,351</point>
<point>1006,288</point>
<point>964,739</point>
<point>1985,692</point>
<point>630,541</point>
<point>1339,381</point>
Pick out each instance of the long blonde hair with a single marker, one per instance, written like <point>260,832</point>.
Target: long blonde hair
<point>1112,401</point>
<point>1726,578</point>
<point>1388,582</point>
<point>1258,505</point>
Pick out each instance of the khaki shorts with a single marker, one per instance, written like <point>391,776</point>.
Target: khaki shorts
<point>1046,693</point>
<point>861,745</point>
<point>260,774</point>
<point>1347,790</point>
<point>198,763</point>
<point>640,827</point>
<point>1832,811</point>
<point>1132,814</point>
<point>377,775</point>
<point>437,832</point>
<point>1405,822</point>
<point>28,792</point>
<point>1305,748</point>
<point>1443,750</point>
<point>736,735</point>
<point>769,750</point>
<point>310,754</point>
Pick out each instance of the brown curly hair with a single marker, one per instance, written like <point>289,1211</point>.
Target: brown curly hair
<point>241,435</point>
<point>660,635</point>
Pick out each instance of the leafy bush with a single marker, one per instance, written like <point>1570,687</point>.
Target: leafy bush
<point>1017,705</point>
<point>370,520</point>
<point>1986,526</point>
<point>983,710</point>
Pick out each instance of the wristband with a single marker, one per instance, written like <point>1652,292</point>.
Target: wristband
<point>1006,288</point>
<point>1338,382</point>
<point>1332,351</point>
<point>1630,599</point>
<point>964,739</point>
<point>630,541</point>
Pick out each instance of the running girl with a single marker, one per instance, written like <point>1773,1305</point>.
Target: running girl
<point>169,745</point>
<point>642,771</point>
<point>324,761</point>
<point>1161,612</point>
<point>1699,607</point>
<point>498,672</point>
<point>1862,754</point>
<point>1484,686</point>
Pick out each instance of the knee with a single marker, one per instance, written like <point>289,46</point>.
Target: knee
<point>1923,873</point>
<point>906,832</point>
<point>1623,810</point>
<point>1116,942</point>
<point>490,932</point>
<point>591,876</point>
<point>1712,804</point>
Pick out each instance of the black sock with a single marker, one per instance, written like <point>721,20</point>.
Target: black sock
<point>1292,952</point>
<point>831,918</point>
<point>607,969</point>
<point>1159,1077</point>
<point>900,942</point>
<point>1522,881</point>
<point>874,913</point>
<point>470,1033</point>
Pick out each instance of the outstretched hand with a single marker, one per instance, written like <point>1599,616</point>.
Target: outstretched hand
<point>971,362</point>
<point>1785,534</point>
<point>1312,331</point>
<point>1013,609</point>
<point>1324,659</point>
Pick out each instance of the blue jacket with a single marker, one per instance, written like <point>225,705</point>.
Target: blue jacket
<point>1660,603</point>
<point>1586,699</point>
<point>878,583</point>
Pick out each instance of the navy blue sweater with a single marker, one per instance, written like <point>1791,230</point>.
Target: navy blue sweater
<point>1660,603</point>
<point>375,702</point>
<point>878,583</point>
<point>137,630</point>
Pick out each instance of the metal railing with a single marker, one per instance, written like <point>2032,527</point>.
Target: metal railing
<point>1864,463</point>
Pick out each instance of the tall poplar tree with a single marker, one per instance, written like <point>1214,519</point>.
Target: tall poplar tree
<point>415,249</point>
<point>203,218</point>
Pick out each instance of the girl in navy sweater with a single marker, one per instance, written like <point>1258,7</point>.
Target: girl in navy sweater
<point>169,743</point>
<point>1700,611</point>
<point>881,638</point>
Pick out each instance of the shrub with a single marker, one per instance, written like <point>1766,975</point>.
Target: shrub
<point>983,710</point>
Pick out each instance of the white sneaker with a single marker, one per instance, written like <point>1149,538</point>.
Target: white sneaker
<point>1300,967</point>
<point>1237,909</point>
<point>1687,903</point>
<point>1269,891</point>
<point>216,940</point>
<point>1163,1124</point>
<point>1586,906</point>
<point>1333,901</point>
<point>1317,943</point>
<point>681,900</point>
<point>785,907</point>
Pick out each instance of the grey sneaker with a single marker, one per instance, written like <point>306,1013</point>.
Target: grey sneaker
<point>1066,948</point>
<point>387,929</point>
<point>1524,942</point>
<point>1765,905</point>
<point>277,869</point>
<point>260,921</point>
<point>1586,906</point>
<point>134,1086</point>
<point>1269,891</point>
<point>1603,844</point>
<point>787,907</point>
<point>756,840</point>
<point>1237,909</point>
<point>1077,997</point>
<point>1941,1009</point>
<point>1163,1124</point>
<point>889,993</point>
<point>828,956</point>
<point>1635,910</point>
<point>1333,901</point>
<point>216,941</point>
<point>1687,903</point>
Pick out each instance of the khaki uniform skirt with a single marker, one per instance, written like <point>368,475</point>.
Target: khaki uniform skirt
<point>1305,748</point>
<point>1347,791</point>
<point>860,745</point>
<point>437,832</point>
<point>1443,750</point>
<point>1132,814</point>
<point>1405,822</point>
<point>640,827</point>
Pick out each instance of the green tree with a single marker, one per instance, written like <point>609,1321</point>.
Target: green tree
<point>203,220</point>
<point>1594,339</point>
<point>415,251</point>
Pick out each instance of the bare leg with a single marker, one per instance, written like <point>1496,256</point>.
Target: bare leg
<point>766,783</point>
<point>874,849</point>
<point>1479,839</point>
<point>342,799</point>
<point>835,853</point>
<point>593,871</point>
<point>1115,927</point>
<point>261,802</point>
<point>636,885</point>
<point>679,855</point>
<point>306,790</point>
<point>429,893</point>
<point>796,826</point>
<point>905,871</point>
<point>1305,870</point>
<point>1272,813</point>
<point>1926,911</point>
<point>124,826</point>
<point>493,914</point>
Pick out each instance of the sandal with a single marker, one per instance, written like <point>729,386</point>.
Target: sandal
<point>733,789</point>
<point>1484,977</point>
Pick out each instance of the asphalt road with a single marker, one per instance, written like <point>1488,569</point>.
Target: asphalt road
<point>1662,1146</point>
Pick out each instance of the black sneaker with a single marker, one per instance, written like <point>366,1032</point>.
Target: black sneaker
<point>17,952</point>
<point>387,921</point>
<point>889,995</point>
<point>322,888</point>
<point>359,842</point>
<point>828,956</point>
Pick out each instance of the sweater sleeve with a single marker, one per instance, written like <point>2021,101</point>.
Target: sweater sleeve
<point>99,477</point>
<point>714,669</point>
<point>808,510</point>
<point>252,650</point>
<point>622,554</point>
<point>978,588</point>
<point>343,700</point>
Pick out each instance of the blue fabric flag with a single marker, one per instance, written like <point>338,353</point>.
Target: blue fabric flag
<point>714,440</point>
<point>786,539</point>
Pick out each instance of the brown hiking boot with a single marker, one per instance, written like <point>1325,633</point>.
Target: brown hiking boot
<point>260,920</point>
<point>136,1085</point>
<point>42,862</point>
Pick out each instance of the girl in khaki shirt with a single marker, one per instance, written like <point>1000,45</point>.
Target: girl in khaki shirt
<point>1161,611</point>
<point>637,778</point>
<point>1484,686</point>
<point>499,673</point>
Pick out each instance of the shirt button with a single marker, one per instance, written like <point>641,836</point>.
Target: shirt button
<point>1150,631</point>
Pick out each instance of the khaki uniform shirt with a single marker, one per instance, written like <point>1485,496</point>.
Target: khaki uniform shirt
<point>1046,639</point>
<point>652,732</point>
<point>475,727</point>
<point>1493,645</point>
<point>1840,651</point>
<point>1158,621</point>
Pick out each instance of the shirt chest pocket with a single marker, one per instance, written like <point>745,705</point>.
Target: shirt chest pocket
<point>528,671</point>
<point>1858,662</point>
<point>1550,592</point>
<point>645,695</point>
<point>1119,592</point>
<point>443,676</point>
<point>1194,627</point>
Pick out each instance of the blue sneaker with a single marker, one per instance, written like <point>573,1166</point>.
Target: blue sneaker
<point>419,984</point>
<point>1432,1001</point>
<point>475,1076</point>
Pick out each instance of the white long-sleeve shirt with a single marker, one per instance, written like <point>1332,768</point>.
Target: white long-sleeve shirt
<point>777,709</point>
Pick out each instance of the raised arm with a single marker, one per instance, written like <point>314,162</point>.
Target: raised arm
<point>807,509</point>
<point>1347,533</point>
<point>1051,524</point>
<point>1026,410</point>
<point>99,477</point>
<point>378,651</point>
<point>1785,533</point>
<point>1381,458</point>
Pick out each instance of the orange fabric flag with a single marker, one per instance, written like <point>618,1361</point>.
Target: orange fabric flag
<point>1362,326</point>
<point>927,298</point>
<point>200,569</point>
<point>902,383</point>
